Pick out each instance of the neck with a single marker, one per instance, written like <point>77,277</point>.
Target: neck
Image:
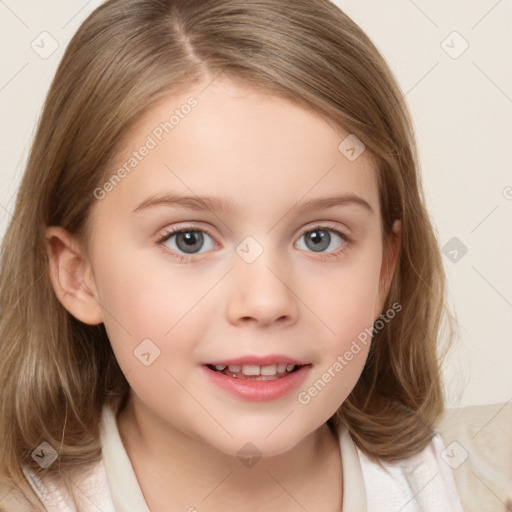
<point>175,468</point>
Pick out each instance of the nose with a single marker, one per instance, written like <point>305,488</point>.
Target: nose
<point>261,293</point>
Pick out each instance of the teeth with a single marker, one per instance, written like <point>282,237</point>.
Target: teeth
<point>269,370</point>
<point>254,370</point>
<point>250,369</point>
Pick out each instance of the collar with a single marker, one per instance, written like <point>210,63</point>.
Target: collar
<point>127,495</point>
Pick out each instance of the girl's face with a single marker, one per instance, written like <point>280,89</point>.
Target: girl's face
<point>274,266</point>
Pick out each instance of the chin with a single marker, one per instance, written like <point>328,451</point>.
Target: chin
<point>265,441</point>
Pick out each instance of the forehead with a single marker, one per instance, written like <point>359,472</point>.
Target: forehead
<point>260,151</point>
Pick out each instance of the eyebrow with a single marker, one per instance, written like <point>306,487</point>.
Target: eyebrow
<point>226,206</point>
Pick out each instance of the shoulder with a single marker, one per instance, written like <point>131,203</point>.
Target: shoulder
<point>422,482</point>
<point>88,486</point>
<point>478,448</point>
<point>85,488</point>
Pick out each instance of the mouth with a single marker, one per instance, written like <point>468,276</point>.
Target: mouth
<point>256,372</point>
<point>258,378</point>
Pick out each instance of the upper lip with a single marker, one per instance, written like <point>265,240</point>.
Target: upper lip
<point>259,360</point>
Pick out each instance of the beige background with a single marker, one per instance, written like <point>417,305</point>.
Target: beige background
<point>461,102</point>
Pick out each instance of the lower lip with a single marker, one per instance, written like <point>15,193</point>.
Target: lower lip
<point>259,390</point>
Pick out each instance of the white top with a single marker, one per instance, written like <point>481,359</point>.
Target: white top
<point>422,483</point>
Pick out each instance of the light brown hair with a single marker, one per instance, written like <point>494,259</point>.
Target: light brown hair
<point>56,373</point>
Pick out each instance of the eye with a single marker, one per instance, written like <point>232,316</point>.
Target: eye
<point>322,240</point>
<point>188,241</point>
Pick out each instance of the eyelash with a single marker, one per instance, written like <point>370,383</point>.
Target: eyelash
<point>184,258</point>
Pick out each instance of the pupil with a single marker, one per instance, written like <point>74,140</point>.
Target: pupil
<point>319,239</point>
<point>189,241</point>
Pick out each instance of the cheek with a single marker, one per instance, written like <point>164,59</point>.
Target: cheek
<point>337,374</point>
<point>344,298</point>
<point>134,290</point>
<point>148,299</point>
<point>343,302</point>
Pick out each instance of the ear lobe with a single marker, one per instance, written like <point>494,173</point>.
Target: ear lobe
<point>71,276</point>
<point>389,262</point>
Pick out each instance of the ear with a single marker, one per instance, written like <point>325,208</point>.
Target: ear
<point>71,276</point>
<point>389,261</point>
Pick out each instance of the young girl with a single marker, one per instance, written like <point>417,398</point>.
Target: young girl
<point>220,289</point>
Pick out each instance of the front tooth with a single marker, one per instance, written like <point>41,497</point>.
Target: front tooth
<point>235,368</point>
<point>290,367</point>
<point>269,370</point>
<point>220,367</point>
<point>250,369</point>
<point>281,367</point>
